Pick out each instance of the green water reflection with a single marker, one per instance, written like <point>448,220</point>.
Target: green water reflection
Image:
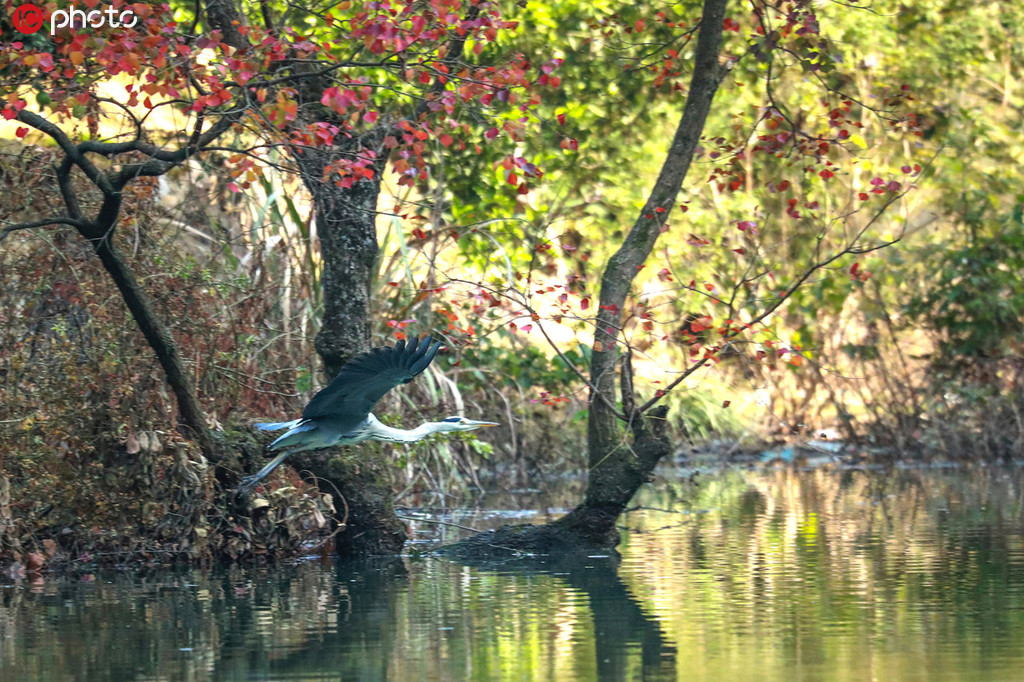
<point>748,575</point>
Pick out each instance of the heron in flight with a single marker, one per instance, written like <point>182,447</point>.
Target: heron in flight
<point>340,413</point>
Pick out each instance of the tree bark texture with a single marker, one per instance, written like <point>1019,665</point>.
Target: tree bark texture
<point>360,480</point>
<point>616,468</point>
<point>346,225</point>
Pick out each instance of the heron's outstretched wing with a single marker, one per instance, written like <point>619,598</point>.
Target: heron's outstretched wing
<point>366,378</point>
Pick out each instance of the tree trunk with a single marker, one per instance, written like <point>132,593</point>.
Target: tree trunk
<point>346,224</point>
<point>359,481</point>
<point>616,467</point>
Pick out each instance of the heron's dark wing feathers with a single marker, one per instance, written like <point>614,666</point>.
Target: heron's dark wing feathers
<point>366,378</point>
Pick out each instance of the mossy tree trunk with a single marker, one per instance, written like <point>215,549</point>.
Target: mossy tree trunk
<point>620,461</point>
<point>617,465</point>
<point>360,478</point>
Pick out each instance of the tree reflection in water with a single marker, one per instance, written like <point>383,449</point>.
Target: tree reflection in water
<point>828,574</point>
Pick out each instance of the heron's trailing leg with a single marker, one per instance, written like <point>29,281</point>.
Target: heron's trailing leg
<point>250,482</point>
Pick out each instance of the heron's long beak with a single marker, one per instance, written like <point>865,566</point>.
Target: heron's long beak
<point>473,422</point>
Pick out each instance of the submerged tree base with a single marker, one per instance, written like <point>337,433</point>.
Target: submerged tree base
<point>525,539</point>
<point>591,526</point>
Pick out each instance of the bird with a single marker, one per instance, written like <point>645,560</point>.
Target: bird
<point>340,414</point>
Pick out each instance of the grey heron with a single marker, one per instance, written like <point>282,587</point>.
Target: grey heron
<point>340,413</point>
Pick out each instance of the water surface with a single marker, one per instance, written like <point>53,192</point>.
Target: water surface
<point>777,574</point>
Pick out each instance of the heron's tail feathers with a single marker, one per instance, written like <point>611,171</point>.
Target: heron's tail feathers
<point>303,435</point>
<point>276,426</point>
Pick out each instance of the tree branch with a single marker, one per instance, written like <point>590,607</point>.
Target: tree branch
<point>78,224</point>
<point>70,149</point>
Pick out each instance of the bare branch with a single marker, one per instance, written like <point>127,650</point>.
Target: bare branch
<point>850,248</point>
<point>78,224</point>
<point>69,148</point>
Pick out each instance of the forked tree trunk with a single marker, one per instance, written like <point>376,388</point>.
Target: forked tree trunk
<point>619,461</point>
<point>100,235</point>
<point>616,466</point>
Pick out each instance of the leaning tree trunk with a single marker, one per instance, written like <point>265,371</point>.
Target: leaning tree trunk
<point>617,464</point>
<point>190,414</point>
<point>617,467</point>
<point>99,232</point>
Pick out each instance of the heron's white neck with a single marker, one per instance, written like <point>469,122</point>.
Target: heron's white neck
<point>379,431</point>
